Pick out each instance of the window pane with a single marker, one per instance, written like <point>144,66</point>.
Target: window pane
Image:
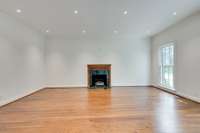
<point>167,66</point>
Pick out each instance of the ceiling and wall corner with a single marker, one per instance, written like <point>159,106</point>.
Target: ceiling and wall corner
<point>99,18</point>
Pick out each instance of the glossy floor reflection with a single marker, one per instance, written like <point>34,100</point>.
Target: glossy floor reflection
<point>116,110</point>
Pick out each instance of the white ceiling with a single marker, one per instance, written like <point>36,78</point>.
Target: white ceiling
<point>99,18</point>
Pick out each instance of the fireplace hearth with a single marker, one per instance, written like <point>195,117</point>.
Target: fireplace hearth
<point>99,76</point>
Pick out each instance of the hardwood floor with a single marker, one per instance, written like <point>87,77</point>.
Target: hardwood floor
<point>116,110</point>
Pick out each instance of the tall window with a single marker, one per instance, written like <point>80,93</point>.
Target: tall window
<point>167,66</point>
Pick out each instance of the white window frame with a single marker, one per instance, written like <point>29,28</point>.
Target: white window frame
<point>161,65</point>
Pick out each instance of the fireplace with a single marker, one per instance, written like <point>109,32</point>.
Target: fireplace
<point>99,76</point>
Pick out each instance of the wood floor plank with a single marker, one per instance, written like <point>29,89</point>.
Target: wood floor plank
<point>116,110</point>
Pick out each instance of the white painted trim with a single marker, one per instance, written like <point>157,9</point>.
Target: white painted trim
<point>171,43</point>
<point>195,99</point>
<point>190,97</point>
<point>10,100</point>
<point>2,103</point>
<point>63,87</point>
<point>82,86</point>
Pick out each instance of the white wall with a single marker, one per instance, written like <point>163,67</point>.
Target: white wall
<point>23,56</point>
<point>66,60</point>
<point>186,34</point>
<point>21,59</point>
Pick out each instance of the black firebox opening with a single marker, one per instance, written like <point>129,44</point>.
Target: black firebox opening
<point>99,79</point>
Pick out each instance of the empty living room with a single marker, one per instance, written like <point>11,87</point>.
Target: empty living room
<point>99,66</point>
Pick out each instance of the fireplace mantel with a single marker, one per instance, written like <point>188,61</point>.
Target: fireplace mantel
<point>99,67</point>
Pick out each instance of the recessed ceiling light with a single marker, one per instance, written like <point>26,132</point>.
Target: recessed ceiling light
<point>115,31</point>
<point>47,31</point>
<point>83,31</point>
<point>174,13</point>
<point>18,10</point>
<point>125,12</point>
<point>75,11</point>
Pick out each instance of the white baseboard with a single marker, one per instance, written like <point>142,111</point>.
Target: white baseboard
<point>83,86</point>
<point>192,98</point>
<point>12,99</point>
<point>65,86</point>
